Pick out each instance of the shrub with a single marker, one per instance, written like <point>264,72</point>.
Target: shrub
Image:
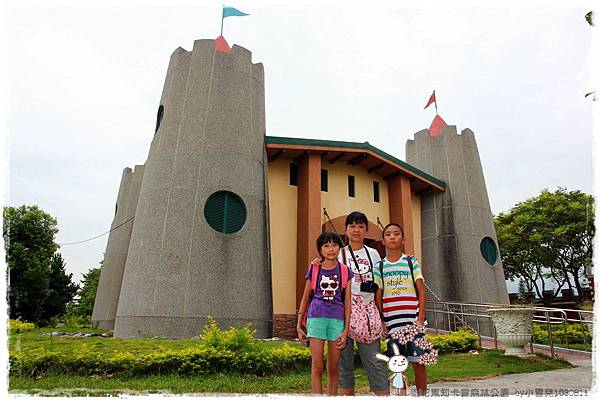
<point>232,350</point>
<point>218,351</point>
<point>461,340</point>
<point>234,339</point>
<point>575,333</point>
<point>53,322</point>
<point>19,326</point>
<point>73,321</point>
<point>197,360</point>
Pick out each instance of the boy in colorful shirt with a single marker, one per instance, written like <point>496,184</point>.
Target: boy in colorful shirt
<point>403,299</point>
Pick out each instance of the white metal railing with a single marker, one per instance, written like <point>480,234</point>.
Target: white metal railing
<point>457,314</point>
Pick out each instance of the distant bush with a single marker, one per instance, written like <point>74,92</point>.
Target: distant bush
<point>73,321</point>
<point>461,340</point>
<point>576,333</point>
<point>19,326</point>
<point>458,341</point>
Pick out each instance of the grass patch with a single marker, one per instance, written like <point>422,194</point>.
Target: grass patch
<point>453,367</point>
<point>35,340</point>
<point>109,367</point>
<point>578,347</point>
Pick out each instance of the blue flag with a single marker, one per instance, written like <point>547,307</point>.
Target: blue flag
<point>232,12</point>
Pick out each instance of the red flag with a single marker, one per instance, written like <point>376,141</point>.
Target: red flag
<point>431,100</point>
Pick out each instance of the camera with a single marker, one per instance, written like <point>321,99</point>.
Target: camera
<point>369,286</point>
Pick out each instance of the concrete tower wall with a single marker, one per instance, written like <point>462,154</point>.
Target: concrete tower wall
<point>455,222</point>
<point>115,256</point>
<point>180,270</point>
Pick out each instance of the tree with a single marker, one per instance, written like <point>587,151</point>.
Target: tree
<point>87,293</point>
<point>61,289</point>
<point>589,17</point>
<point>548,236</point>
<point>523,289</point>
<point>29,240</point>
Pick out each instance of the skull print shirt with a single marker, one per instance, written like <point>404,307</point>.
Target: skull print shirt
<point>327,300</point>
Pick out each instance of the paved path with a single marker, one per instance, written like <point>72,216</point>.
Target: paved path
<point>562,382</point>
<point>554,382</point>
<point>575,357</point>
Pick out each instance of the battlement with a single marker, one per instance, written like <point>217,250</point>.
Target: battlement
<point>468,137</point>
<point>258,73</point>
<point>207,46</point>
<point>424,136</point>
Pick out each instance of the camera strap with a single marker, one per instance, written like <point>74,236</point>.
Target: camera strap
<point>361,276</point>
<point>356,261</point>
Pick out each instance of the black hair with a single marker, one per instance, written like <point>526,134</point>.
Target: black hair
<point>390,225</point>
<point>357,218</point>
<point>326,237</point>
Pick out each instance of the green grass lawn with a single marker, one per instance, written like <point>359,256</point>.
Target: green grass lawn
<point>578,347</point>
<point>33,339</point>
<point>449,368</point>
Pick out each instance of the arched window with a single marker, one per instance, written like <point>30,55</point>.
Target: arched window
<point>159,117</point>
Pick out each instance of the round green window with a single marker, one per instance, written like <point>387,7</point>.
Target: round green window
<point>489,250</point>
<point>225,212</point>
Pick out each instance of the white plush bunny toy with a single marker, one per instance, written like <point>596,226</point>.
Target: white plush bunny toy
<point>397,364</point>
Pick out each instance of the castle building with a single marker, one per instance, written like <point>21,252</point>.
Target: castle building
<point>221,220</point>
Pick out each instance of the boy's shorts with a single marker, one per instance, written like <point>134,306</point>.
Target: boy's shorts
<point>325,328</point>
<point>409,350</point>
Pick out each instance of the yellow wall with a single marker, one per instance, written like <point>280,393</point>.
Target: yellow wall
<point>283,216</point>
<point>337,201</point>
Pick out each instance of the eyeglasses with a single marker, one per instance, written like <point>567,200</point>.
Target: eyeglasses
<point>332,285</point>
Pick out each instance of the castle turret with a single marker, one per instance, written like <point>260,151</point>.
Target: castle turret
<point>115,256</point>
<point>460,253</point>
<point>199,244</point>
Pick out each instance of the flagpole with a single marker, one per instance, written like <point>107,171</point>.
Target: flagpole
<point>436,113</point>
<point>222,18</point>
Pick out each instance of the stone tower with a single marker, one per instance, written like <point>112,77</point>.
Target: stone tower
<point>115,256</point>
<point>460,250</point>
<point>199,244</point>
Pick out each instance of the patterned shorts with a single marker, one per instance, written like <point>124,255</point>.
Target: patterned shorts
<point>410,350</point>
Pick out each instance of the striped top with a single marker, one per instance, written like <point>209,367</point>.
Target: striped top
<point>400,303</point>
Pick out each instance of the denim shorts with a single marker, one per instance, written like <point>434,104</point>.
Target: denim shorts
<point>325,328</point>
<point>409,350</point>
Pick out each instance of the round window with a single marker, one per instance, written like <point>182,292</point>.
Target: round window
<point>489,251</point>
<point>225,212</point>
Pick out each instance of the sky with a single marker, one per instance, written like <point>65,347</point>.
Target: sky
<point>82,83</point>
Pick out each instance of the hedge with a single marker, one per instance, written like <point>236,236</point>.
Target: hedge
<point>233,350</point>
<point>461,340</point>
<point>19,326</point>
<point>575,333</point>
